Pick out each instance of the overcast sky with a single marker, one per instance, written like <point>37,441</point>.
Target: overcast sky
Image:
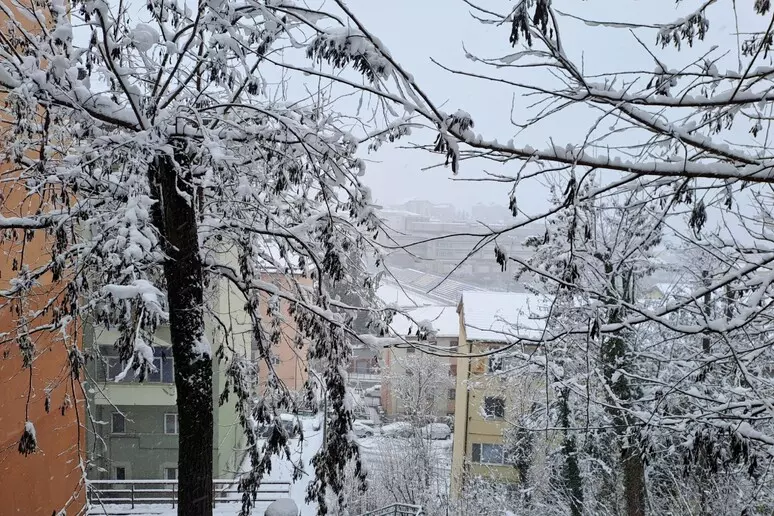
<point>416,30</point>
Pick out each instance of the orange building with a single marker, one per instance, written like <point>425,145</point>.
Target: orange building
<point>50,478</point>
<point>40,396</point>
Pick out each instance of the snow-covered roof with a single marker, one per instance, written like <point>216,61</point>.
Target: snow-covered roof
<point>441,291</point>
<point>501,316</point>
<point>443,319</point>
<point>393,294</point>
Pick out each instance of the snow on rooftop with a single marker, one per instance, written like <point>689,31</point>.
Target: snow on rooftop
<point>392,294</point>
<point>502,316</point>
<point>443,319</point>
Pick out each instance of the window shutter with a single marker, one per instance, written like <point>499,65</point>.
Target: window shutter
<point>476,452</point>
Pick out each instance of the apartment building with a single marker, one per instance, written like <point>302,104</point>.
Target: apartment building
<point>442,245</point>
<point>137,437</point>
<point>486,396</point>
<point>404,363</point>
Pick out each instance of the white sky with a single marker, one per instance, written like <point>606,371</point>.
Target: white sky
<point>415,30</point>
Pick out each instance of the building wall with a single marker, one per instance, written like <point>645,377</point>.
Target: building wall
<point>146,403</point>
<point>393,359</point>
<point>474,385</point>
<point>50,479</point>
<point>143,449</point>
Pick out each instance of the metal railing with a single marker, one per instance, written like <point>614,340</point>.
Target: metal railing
<point>146,491</point>
<point>397,509</point>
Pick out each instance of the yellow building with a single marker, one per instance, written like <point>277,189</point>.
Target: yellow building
<point>488,396</point>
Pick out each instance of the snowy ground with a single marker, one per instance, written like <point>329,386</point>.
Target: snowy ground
<point>373,449</point>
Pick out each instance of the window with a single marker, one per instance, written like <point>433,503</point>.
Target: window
<point>453,370</point>
<point>495,365</point>
<point>165,366</point>
<point>275,360</point>
<point>411,349</point>
<point>170,473</point>
<point>452,394</point>
<point>118,423</point>
<point>494,408</point>
<point>488,453</point>
<point>454,343</point>
<point>170,423</point>
<point>119,473</point>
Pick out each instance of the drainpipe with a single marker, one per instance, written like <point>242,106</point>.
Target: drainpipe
<point>467,414</point>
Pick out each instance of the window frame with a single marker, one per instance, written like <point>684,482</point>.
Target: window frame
<point>493,416</point>
<point>167,468</point>
<point>480,454</point>
<point>494,364</point>
<point>113,423</point>
<point>176,424</point>
<point>121,465</point>
<point>162,360</point>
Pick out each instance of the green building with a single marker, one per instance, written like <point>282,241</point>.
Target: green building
<point>135,436</point>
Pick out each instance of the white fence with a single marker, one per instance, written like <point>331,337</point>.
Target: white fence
<point>142,492</point>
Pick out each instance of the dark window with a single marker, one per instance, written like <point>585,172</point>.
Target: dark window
<point>120,473</point>
<point>155,376</point>
<point>453,370</point>
<point>118,423</point>
<point>494,407</point>
<point>488,453</point>
<point>452,394</point>
<point>170,424</point>
<point>113,365</point>
<point>411,349</point>
<point>170,473</point>
<point>168,372</point>
<point>453,343</point>
<point>494,365</point>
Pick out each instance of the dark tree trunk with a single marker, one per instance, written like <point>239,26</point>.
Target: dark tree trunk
<point>573,483</point>
<point>183,272</point>
<point>634,481</point>
<point>615,356</point>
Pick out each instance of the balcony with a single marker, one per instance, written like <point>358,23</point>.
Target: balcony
<point>131,393</point>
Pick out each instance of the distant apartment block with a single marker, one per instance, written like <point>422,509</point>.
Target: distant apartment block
<point>405,362</point>
<point>442,244</point>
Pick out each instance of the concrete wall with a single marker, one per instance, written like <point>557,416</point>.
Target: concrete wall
<point>143,449</point>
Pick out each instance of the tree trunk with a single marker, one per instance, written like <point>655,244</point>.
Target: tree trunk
<point>573,483</point>
<point>193,369</point>
<point>615,357</point>
<point>634,481</point>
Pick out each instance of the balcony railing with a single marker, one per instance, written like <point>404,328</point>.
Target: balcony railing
<point>145,491</point>
<point>397,509</point>
<point>370,377</point>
